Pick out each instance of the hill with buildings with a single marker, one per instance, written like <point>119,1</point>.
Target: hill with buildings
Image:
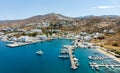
<point>109,25</point>
<point>87,23</point>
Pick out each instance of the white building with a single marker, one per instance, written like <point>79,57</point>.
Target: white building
<point>83,33</point>
<point>24,39</point>
<point>13,39</point>
<point>42,37</point>
<point>104,31</point>
<point>87,38</point>
<point>110,31</point>
<point>36,30</point>
<point>1,33</point>
<point>96,35</point>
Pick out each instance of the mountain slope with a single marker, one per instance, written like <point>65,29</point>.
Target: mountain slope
<point>52,17</point>
<point>87,23</point>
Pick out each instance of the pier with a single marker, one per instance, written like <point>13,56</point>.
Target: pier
<point>74,64</point>
<point>97,57</point>
<point>16,44</point>
<point>96,66</point>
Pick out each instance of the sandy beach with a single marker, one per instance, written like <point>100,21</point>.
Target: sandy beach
<point>108,54</point>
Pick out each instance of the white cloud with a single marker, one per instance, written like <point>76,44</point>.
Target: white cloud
<point>104,7</point>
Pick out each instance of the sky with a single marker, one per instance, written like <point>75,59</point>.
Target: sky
<point>21,9</point>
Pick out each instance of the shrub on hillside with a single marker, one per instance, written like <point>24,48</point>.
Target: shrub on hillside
<point>115,44</point>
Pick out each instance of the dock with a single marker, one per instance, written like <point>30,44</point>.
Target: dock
<point>97,57</point>
<point>72,59</point>
<point>95,65</point>
<point>16,44</point>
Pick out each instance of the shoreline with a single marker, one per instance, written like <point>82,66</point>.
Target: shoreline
<point>108,54</point>
<point>98,49</point>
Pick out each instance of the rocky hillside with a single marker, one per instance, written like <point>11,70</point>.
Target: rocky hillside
<point>87,23</point>
<point>50,18</point>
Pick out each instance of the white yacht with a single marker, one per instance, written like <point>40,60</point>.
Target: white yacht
<point>39,52</point>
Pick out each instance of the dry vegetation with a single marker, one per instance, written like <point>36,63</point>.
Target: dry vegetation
<point>110,41</point>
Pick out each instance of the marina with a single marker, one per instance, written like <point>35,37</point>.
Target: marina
<point>60,36</point>
<point>97,57</point>
<point>73,60</point>
<point>106,65</point>
<point>23,57</point>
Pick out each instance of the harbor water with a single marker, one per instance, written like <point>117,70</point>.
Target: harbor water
<point>23,59</point>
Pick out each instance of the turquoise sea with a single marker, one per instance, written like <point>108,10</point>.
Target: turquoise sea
<point>24,60</point>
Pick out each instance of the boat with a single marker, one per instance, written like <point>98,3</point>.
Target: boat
<point>39,52</point>
<point>97,67</point>
<point>63,56</point>
<point>96,57</point>
<point>64,51</point>
<point>94,63</point>
<point>112,66</point>
<point>90,63</point>
<point>77,63</point>
<point>96,53</point>
<point>106,67</point>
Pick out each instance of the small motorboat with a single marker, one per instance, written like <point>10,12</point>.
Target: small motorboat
<point>39,52</point>
<point>64,56</point>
